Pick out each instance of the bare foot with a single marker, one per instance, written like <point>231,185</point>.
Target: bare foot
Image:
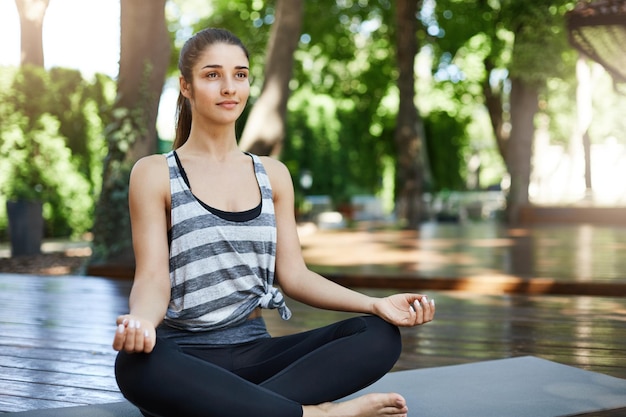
<point>369,405</point>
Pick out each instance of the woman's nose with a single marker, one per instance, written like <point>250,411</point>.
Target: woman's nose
<point>228,86</point>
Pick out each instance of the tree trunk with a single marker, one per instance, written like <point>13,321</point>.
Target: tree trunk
<point>584,106</point>
<point>144,58</point>
<point>524,106</point>
<point>265,129</point>
<point>493,102</point>
<point>32,13</point>
<point>409,127</point>
<point>145,53</point>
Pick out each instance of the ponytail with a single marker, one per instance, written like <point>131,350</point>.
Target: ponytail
<point>183,121</point>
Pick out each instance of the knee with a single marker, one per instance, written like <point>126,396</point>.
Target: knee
<point>129,371</point>
<point>138,373</point>
<point>385,337</point>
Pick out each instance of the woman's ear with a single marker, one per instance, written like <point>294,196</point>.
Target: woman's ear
<point>185,87</point>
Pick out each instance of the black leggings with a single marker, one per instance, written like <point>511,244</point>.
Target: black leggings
<point>267,377</point>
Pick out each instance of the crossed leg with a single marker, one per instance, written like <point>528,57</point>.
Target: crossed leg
<point>287,376</point>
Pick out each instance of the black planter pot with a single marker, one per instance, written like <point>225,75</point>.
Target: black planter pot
<point>25,227</point>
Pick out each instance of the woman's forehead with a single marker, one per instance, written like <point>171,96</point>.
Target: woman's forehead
<point>222,54</point>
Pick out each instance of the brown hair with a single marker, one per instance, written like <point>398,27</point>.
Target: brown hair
<point>189,54</point>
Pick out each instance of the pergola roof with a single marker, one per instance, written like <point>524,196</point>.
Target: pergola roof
<point>598,30</point>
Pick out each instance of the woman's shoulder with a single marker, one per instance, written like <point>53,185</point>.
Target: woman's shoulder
<point>151,163</point>
<point>151,167</point>
<point>273,166</point>
<point>279,175</point>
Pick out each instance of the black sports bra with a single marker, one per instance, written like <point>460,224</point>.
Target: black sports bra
<point>233,216</point>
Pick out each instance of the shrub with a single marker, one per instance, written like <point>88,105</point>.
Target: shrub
<point>51,144</point>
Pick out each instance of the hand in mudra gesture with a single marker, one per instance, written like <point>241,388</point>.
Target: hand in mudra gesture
<point>405,310</point>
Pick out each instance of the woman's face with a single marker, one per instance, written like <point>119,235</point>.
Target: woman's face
<point>220,86</point>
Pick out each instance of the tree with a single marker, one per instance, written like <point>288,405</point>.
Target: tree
<point>526,47</point>
<point>584,110</point>
<point>537,54</point>
<point>409,128</point>
<point>342,110</point>
<point>144,58</point>
<point>265,127</point>
<point>32,13</point>
<point>524,105</point>
<point>144,55</point>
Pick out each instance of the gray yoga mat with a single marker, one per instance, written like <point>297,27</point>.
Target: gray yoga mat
<point>517,387</point>
<point>119,409</point>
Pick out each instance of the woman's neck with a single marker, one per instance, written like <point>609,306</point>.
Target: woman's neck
<point>217,143</point>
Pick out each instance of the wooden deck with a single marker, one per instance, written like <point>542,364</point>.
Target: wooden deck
<point>55,335</point>
<point>55,331</point>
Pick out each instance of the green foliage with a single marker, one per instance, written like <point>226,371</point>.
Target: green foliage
<point>446,143</point>
<point>38,166</point>
<point>540,40</point>
<point>112,239</point>
<point>525,37</point>
<point>314,144</point>
<point>456,123</point>
<point>513,38</point>
<point>51,145</point>
<point>341,119</point>
<point>348,53</point>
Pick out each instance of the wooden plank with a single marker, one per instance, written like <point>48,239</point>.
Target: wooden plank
<point>481,284</point>
<point>9,354</point>
<point>27,369</point>
<point>58,393</point>
<point>464,255</point>
<point>11,404</point>
<point>55,341</point>
<point>580,331</point>
<point>59,337</point>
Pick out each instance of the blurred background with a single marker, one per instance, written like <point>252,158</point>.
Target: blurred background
<point>396,114</point>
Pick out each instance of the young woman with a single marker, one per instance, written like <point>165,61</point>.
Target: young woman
<point>213,228</point>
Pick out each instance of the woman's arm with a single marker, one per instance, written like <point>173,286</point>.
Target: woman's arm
<point>149,208</point>
<point>298,282</point>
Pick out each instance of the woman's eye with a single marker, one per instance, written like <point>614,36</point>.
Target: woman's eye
<point>242,75</point>
<point>212,75</point>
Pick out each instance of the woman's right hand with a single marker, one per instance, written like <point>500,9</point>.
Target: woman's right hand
<point>134,335</point>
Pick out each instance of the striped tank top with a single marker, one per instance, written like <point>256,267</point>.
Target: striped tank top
<point>221,264</point>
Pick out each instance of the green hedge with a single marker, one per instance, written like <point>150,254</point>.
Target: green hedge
<point>51,144</point>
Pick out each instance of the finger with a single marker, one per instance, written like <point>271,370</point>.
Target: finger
<point>149,342</point>
<point>129,345</point>
<point>120,336</point>
<point>432,309</point>
<point>429,309</point>
<point>139,337</point>
<point>419,312</point>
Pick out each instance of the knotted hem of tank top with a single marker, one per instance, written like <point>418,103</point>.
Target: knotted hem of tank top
<point>274,299</point>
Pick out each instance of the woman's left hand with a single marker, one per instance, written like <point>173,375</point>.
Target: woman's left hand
<point>405,310</point>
